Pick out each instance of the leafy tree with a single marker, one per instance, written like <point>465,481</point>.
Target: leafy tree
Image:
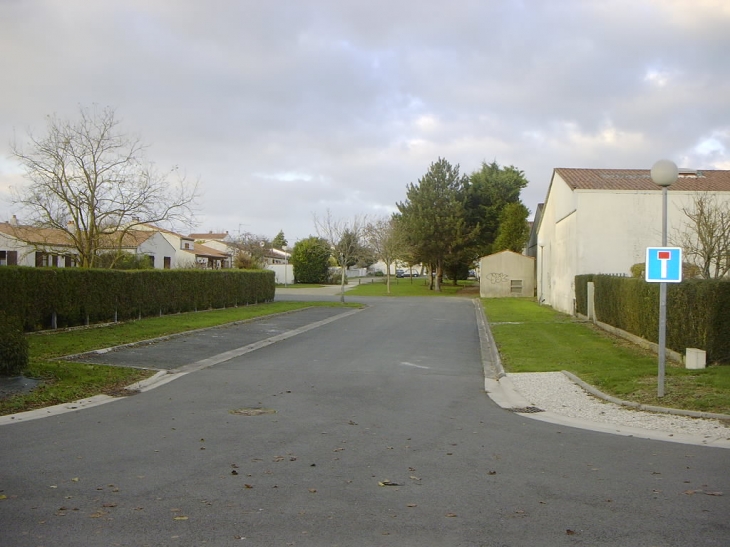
<point>433,216</point>
<point>514,231</point>
<point>489,191</point>
<point>91,181</point>
<point>344,239</point>
<point>310,258</point>
<point>279,242</point>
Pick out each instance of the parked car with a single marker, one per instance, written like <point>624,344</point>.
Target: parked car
<point>399,273</point>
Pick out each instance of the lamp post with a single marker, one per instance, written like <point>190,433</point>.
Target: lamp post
<point>541,244</point>
<point>664,173</point>
<point>285,248</point>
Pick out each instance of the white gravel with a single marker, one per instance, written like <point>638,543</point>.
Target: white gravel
<point>555,392</point>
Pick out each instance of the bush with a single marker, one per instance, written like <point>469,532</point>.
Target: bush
<point>310,258</point>
<point>13,346</point>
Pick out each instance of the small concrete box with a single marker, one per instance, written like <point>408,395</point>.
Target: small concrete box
<point>695,358</point>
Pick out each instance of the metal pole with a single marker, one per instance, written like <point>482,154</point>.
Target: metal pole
<point>662,305</point>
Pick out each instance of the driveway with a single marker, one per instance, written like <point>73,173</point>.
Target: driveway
<point>372,429</point>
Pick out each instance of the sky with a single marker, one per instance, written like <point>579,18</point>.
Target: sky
<point>284,110</point>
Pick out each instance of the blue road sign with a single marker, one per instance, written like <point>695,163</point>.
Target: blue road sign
<point>663,264</point>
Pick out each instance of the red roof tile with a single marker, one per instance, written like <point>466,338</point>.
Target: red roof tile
<point>701,180</point>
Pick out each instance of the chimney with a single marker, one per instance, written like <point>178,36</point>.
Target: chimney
<point>71,226</point>
<point>14,221</point>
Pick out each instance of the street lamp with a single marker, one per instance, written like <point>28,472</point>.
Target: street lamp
<point>664,173</point>
<point>285,248</point>
<point>541,244</point>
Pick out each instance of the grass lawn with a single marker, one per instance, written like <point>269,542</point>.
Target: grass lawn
<point>67,381</point>
<point>533,338</point>
<point>411,286</point>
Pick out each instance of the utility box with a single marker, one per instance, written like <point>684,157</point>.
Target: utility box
<point>695,358</point>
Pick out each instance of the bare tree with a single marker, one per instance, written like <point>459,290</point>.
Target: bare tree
<point>386,240</point>
<point>91,181</point>
<point>251,251</point>
<point>705,238</point>
<point>344,238</point>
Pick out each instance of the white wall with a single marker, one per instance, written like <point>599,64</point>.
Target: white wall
<point>282,273</point>
<point>159,247</point>
<point>599,231</point>
<point>499,270</point>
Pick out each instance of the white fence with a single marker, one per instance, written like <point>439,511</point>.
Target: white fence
<point>283,273</point>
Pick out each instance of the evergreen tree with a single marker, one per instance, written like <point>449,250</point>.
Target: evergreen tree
<point>279,241</point>
<point>514,231</point>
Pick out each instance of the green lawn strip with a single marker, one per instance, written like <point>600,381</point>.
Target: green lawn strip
<point>416,286</point>
<point>66,381</point>
<point>530,342</point>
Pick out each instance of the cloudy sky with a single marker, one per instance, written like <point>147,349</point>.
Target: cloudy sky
<point>285,109</point>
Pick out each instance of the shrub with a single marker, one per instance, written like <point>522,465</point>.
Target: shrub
<point>13,346</point>
<point>310,258</point>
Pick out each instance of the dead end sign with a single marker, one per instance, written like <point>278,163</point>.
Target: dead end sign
<point>664,264</point>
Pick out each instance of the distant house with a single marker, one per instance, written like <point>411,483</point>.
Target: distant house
<point>188,253</point>
<point>602,221</point>
<point>22,245</point>
<point>506,274</point>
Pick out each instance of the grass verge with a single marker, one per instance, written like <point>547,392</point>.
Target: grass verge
<point>65,381</point>
<point>533,338</point>
<point>412,286</point>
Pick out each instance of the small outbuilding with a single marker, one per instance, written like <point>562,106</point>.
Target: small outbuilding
<point>507,274</point>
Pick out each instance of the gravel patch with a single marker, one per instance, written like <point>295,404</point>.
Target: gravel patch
<point>555,392</point>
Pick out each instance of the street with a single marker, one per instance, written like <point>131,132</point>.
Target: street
<point>372,429</point>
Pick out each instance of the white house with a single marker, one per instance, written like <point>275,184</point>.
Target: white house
<point>602,221</point>
<point>22,245</point>
<point>506,274</point>
<point>189,253</point>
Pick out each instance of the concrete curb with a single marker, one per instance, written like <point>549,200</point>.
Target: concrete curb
<point>638,406</point>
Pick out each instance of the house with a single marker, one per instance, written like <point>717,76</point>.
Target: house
<point>602,220</point>
<point>188,253</point>
<point>506,274</point>
<point>22,245</point>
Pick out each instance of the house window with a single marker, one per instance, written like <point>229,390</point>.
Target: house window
<point>41,259</point>
<point>167,262</point>
<point>54,261</point>
<point>515,286</point>
<point>8,258</point>
<point>69,261</point>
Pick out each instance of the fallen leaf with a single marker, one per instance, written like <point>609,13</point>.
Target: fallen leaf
<point>492,473</point>
<point>414,478</point>
<point>180,517</point>
<point>109,505</point>
<point>570,532</point>
<point>312,490</point>
<point>387,482</point>
<point>234,472</point>
<point>247,486</point>
<point>75,479</point>
<point>451,515</point>
<point>412,505</point>
<point>713,493</point>
<point>3,497</point>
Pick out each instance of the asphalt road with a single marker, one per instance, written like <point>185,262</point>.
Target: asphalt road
<point>380,434</point>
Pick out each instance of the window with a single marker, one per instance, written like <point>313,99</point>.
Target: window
<point>167,262</point>
<point>515,286</point>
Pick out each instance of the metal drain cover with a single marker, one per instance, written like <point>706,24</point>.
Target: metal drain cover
<point>525,410</point>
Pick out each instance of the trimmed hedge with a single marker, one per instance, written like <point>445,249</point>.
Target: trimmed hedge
<point>65,297</point>
<point>13,346</point>
<point>698,311</point>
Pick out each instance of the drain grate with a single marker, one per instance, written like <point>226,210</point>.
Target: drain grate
<point>525,410</point>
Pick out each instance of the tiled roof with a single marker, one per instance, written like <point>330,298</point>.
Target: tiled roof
<point>209,235</point>
<point>36,236</point>
<point>701,180</point>
<point>56,237</point>
<point>206,252</point>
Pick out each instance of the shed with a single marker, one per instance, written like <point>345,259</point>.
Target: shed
<point>507,274</point>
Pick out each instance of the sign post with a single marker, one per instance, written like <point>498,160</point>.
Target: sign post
<point>663,265</point>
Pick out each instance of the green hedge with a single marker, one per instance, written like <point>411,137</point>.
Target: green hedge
<point>698,311</point>
<point>76,296</point>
